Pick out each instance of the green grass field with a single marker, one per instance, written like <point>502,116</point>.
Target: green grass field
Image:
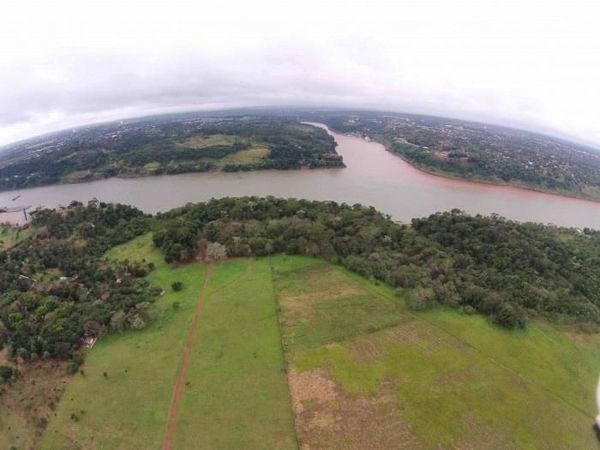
<point>128,408</point>
<point>7,235</point>
<point>250,156</point>
<point>363,371</point>
<point>238,396</point>
<point>152,167</point>
<point>436,379</point>
<point>210,141</point>
<point>256,153</point>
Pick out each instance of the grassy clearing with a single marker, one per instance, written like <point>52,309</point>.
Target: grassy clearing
<point>128,407</point>
<point>541,353</point>
<point>139,249</point>
<point>250,156</point>
<point>209,141</point>
<point>78,175</point>
<point>152,167</point>
<point>429,380</point>
<point>11,235</point>
<point>322,305</point>
<point>8,236</point>
<point>237,395</point>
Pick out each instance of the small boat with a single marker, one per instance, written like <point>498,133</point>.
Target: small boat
<point>16,198</point>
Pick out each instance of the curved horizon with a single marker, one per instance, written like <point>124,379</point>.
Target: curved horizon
<point>291,108</point>
<point>516,64</point>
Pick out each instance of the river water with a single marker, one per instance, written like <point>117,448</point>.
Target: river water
<point>373,176</point>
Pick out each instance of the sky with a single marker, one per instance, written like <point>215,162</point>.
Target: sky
<point>528,63</point>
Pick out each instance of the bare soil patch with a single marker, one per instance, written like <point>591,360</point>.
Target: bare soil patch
<point>302,306</point>
<point>329,417</point>
<point>310,386</point>
<point>583,339</point>
<point>428,338</point>
<point>366,349</point>
<point>179,387</point>
<point>320,284</point>
<point>483,436</point>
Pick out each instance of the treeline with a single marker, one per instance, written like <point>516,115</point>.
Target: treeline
<point>56,289</point>
<point>505,270</point>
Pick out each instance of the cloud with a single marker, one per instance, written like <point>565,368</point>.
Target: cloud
<point>529,64</point>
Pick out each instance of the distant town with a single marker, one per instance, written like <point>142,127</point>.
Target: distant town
<point>479,151</point>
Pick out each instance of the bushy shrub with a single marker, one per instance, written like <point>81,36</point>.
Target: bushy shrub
<point>6,373</point>
<point>508,316</point>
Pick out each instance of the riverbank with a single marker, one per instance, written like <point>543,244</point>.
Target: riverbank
<point>216,170</point>
<point>373,177</point>
<point>494,182</point>
<point>477,181</point>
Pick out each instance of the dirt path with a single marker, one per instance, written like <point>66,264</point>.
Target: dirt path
<point>179,387</point>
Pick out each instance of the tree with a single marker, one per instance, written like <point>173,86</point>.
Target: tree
<point>508,316</point>
<point>421,298</point>
<point>117,320</point>
<point>22,353</point>
<point>92,328</point>
<point>177,286</point>
<point>216,251</point>
<point>137,322</point>
<point>6,373</point>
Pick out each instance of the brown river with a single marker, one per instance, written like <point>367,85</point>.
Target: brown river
<point>373,177</point>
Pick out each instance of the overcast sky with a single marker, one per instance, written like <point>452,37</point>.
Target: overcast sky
<point>526,63</point>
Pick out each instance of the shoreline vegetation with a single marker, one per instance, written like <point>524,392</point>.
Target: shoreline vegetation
<point>489,182</point>
<point>133,176</point>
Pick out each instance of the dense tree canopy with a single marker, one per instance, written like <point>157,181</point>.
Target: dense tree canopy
<point>56,289</point>
<point>503,269</point>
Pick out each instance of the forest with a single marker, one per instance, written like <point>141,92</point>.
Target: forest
<point>57,288</point>
<point>168,145</point>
